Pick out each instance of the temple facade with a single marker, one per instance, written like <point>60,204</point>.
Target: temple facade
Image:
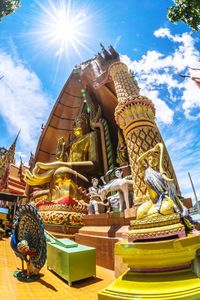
<point>98,129</point>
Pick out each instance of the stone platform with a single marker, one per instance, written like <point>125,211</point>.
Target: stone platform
<point>59,230</point>
<point>102,231</point>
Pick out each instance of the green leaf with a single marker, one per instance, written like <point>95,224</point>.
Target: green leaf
<point>7,7</point>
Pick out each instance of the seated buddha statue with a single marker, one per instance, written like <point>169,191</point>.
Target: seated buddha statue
<point>83,158</point>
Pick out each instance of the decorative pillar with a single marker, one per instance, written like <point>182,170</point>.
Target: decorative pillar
<point>135,115</point>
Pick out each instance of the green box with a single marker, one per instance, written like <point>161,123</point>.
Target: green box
<point>70,260</point>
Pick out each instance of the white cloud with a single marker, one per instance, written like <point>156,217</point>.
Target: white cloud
<point>191,98</point>
<point>23,103</point>
<point>149,81</point>
<point>20,154</point>
<point>156,71</point>
<point>163,112</point>
<point>162,32</point>
<point>117,41</point>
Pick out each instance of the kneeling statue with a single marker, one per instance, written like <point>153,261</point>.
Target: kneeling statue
<point>163,199</point>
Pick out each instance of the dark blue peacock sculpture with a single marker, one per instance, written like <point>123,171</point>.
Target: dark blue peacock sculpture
<point>28,242</point>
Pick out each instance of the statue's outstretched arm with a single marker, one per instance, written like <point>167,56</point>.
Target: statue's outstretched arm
<point>38,178</point>
<point>162,172</point>
<point>33,179</point>
<point>158,147</point>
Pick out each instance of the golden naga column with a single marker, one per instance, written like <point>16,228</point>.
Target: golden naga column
<point>135,115</point>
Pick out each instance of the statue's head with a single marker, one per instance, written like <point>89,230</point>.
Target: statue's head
<point>95,181</point>
<point>118,173</point>
<point>153,160</point>
<point>155,183</point>
<point>81,125</point>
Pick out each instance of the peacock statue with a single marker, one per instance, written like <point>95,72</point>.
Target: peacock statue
<point>29,242</point>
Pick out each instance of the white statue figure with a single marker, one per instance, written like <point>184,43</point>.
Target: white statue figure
<point>120,186</point>
<point>95,197</point>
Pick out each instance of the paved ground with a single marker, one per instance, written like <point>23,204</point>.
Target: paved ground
<point>49,286</point>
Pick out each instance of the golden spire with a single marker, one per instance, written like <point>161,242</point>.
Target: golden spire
<point>9,155</point>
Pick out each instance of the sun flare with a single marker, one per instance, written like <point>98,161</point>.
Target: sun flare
<point>64,28</point>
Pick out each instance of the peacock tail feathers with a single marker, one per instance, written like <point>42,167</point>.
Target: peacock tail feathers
<point>30,228</point>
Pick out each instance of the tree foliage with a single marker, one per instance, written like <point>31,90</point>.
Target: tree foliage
<point>188,11</point>
<point>7,7</point>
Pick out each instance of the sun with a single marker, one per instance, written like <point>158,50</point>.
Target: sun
<point>64,28</point>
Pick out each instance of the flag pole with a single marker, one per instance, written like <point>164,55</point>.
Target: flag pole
<point>195,195</point>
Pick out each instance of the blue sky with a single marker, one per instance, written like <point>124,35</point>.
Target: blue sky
<point>35,69</point>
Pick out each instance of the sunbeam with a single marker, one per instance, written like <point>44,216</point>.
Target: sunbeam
<point>64,28</point>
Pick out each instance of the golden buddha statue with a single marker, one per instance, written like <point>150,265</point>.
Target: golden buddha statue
<point>85,147</point>
<point>83,158</point>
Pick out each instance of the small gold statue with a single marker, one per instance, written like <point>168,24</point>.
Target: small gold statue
<point>61,150</point>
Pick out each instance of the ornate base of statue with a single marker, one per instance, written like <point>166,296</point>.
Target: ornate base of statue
<point>22,276</point>
<point>62,215</point>
<point>157,270</point>
<point>66,211</point>
<point>162,227</point>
